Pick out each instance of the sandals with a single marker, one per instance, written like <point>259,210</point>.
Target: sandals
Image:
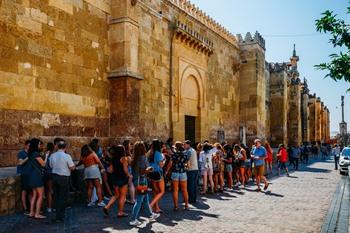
<point>258,189</point>
<point>105,211</point>
<point>176,208</point>
<point>266,186</point>
<point>40,217</point>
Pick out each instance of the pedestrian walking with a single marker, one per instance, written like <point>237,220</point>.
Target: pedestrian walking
<point>259,154</point>
<point>140,170</point>
<point>241,157</point>
<point>269,158</point>
<point>282,157</point>
<point>192,172</point>
<point>336,154</point>
<point>119,170</point>
<point>92,174</point>
<point>156,160</point>
<point>128,148</point>
<point>61,164</point>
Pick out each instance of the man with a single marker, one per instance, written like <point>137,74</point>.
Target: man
<point>62,165</point>
<point>296,155</point>
<point>336,153</point>
<point>192,172</point>
<point>22,158</point>
<point>259,154</point>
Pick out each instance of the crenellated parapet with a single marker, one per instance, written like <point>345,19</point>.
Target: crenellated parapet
<point>202,17</point>
<point>249,39</point>
<point>277,67</point>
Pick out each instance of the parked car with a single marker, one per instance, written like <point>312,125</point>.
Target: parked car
<point>344,161</point>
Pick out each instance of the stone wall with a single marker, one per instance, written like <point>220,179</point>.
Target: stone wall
<point>10,191</point>
<point>54,58</point>
<point>278,109</point>
<point>294,115</point>
<point>252,86</point>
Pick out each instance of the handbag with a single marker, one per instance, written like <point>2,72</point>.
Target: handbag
<point>142,186</point>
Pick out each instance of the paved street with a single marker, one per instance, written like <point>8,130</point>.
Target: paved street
<point>299,203</point>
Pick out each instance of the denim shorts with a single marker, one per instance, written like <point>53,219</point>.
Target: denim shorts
<point>179,176</point>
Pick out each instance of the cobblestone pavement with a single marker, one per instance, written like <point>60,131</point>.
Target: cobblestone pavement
<point>292,204</point>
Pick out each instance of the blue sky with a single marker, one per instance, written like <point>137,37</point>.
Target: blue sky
<point>283,23</point>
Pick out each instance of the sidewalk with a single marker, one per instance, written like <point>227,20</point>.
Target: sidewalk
<point>291,205</point>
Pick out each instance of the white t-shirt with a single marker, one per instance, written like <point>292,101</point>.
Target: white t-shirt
<point>60,163</point>
<point>206,159</point>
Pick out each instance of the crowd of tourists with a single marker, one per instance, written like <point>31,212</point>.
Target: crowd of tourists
<point>128,172</point>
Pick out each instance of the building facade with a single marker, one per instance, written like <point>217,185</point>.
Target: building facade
<point>116,69</point>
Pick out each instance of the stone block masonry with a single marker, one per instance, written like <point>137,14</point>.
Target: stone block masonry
<point>145,69</point>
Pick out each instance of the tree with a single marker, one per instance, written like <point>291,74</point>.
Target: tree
<point>339,64</point>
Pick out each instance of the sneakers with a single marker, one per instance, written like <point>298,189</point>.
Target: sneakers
<point>106,198</point>
<point>49,210</point>
<point>101,204</point>
<point>154,216</point>
<point>135,223</point>
<point>91,204</point>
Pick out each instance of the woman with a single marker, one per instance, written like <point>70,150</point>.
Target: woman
<point>106,162</point>
<point>35,178</point>
<point>128,149</point>
<point>282,157</point>
<point>140,170</point>
<point>218,168</point>
<point>241,156</point>
<point>228,164</point>
<point>50,147</point>
<point>120,173</point>
<point>92,174</point>
<point>156,161</point>
<point>166,154</point>
<point>206,163</point>
<point>178,165</point>
<point>248,164</point>
<point>269,157</point>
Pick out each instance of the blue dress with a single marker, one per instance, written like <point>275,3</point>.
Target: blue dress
<point>35,176</point>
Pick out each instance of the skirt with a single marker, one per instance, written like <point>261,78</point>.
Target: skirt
<point>92,172</point>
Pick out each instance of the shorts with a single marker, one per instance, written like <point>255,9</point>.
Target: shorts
<point>228,168</point>
<point>207,172</point>
<point>247,163</point>
<point>120,183</point>
<point>175,176</point>
<point>241,163</point>
<point>282,165</point>
<point>156,176</point>
<point>259,170</point>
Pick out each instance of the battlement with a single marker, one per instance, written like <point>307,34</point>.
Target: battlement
<point>277,67</point>
<point>249,39</point>
<point>202,17</point>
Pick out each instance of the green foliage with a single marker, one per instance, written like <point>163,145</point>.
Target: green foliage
<point>339,64</point>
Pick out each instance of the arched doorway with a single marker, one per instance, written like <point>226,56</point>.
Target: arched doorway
<point>190,97</point>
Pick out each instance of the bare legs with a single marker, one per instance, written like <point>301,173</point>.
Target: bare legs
<point>36,202</point>
<point>119,194</point>
<point>158,192</point>
<point>183,186</point>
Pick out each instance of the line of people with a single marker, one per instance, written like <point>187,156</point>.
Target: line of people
<point>131,169</point>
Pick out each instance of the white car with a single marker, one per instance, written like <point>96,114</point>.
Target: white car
<point>344,161</point>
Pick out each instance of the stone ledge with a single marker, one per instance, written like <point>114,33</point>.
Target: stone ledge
<point>10,191</point>
<point>124,73</point>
